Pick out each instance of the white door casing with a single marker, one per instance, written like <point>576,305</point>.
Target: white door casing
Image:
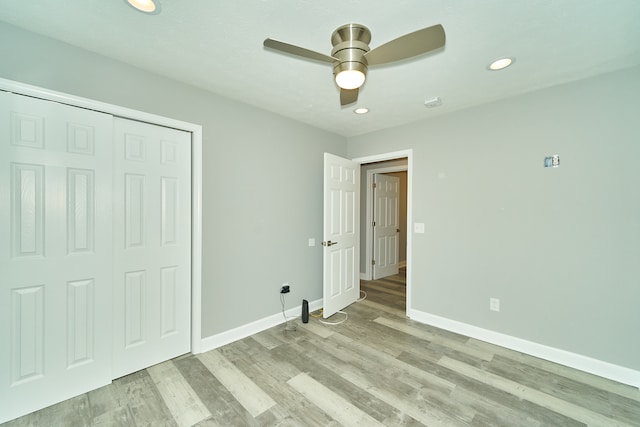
<point>152,273</point>
<point>55,252</point>
<point>386,225</point>
<point>341,233</point>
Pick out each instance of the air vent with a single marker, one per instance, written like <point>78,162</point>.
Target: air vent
<point>433,102</point>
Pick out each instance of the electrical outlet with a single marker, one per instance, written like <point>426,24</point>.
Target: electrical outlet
<point>494,304</point>
<point>285,289</point>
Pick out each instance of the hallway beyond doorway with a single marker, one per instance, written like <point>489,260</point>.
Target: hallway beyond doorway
<point>390,291</point>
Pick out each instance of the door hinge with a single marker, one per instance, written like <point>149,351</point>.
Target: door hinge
<point>373,224</point>
<point>373,262</point>
<point>374,185</point>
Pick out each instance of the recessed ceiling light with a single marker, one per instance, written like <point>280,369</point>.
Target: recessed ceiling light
<point>501,63</point>
<point>150,7</point>
<point>361,110</point>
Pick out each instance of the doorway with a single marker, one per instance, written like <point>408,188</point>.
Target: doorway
<point>384,163</point>
<point>370,214</point>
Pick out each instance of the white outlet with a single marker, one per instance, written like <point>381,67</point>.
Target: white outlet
<point>494,304</point>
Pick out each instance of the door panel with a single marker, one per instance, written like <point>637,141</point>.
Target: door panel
<point>55,252</point>
<point>152,296</point>
<point>386,229</point>
<point>341,233</point>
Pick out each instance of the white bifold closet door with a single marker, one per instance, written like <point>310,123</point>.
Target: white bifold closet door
<point>55,252</point>
<point>95,250</point>
<point>152,235</point>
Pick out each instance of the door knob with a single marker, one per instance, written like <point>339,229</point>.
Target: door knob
<point>329,243</point>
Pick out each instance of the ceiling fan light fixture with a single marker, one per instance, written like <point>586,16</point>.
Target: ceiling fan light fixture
<point>350,79</point>
<point>500,64</point>
<point>150,7</point>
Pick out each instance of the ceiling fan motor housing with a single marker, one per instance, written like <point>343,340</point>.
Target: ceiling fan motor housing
<point>350,43</point>
<point>349,32</point>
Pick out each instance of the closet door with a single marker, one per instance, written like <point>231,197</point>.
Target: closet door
<point>152,238</point>
<point>55,252</point>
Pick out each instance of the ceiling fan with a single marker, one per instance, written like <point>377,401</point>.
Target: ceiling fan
<point>351,55</point>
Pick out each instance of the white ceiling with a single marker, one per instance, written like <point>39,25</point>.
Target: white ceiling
<point>217,45</point>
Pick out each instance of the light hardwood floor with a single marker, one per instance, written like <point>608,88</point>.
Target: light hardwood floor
<point>376,368</point>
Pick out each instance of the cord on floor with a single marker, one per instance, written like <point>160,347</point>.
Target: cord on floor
<point>287,327</point>
<point>346,316</point>
<point>318,314</point>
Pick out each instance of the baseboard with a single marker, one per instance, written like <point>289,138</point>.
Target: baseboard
<point>562,357</point>
<point>364,276</point>
<point>235,334</point>
<point>402,264</point>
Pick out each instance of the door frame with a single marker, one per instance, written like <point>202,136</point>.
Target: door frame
<point>368,272</point>
<point>396,155</point>
<point>196,177</point>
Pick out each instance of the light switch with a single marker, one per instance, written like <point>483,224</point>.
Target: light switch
<point>312,242</point>
<point>418,227</point>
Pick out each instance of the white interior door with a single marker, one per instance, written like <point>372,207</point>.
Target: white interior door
<point>386,228</point>
<point>152,238</point>
<point>55,252</point>
<point>341,233</point>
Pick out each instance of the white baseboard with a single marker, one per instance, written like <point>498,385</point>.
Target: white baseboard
<point>572,360</point>
<point>364,276</point>
<point>235,334</point>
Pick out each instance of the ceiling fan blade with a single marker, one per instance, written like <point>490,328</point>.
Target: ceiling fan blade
<point>297,51</point>
<point>407,46</point>
<point>348,96</point>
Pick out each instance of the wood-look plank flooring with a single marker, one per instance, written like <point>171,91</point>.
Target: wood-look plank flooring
<point>376,368</point>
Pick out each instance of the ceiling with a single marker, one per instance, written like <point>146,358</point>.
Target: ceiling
<point>216,45</point>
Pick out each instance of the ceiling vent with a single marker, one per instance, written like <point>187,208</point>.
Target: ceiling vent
<point>433,102</point>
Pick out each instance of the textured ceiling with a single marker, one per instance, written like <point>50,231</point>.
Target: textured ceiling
<point>217,45</point>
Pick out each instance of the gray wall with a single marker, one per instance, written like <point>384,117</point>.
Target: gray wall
<point>559,247</point>
<point>262,179</point>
